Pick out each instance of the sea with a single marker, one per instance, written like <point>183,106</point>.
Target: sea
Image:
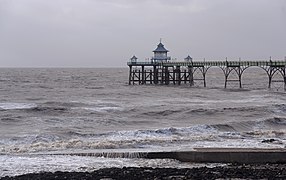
<point>48,116</point>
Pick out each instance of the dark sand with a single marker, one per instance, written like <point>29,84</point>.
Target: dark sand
<point>254,171</point>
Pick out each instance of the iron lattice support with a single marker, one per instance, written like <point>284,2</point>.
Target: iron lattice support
<point>200,69</point>
<point>273,69</point>
<point>238,68</point>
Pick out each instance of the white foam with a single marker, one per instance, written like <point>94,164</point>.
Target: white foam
<point>11,106</point>
<point>191,137</point>
<point>17,165</point>
<point>102,109</point>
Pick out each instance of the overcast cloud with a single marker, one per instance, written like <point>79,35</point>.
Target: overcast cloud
<point>106,33</point>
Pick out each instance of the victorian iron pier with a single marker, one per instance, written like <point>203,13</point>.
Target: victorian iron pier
<point>183,72</point>
<point>161,70</point>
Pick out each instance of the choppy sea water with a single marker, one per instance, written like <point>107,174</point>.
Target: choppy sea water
<point>51,111</point>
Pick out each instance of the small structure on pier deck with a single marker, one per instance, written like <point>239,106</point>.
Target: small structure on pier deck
<point>133,60</point>
<point>160,53</point>
<point>189,59</point>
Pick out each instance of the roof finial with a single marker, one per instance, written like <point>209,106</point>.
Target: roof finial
<point>160,40</point>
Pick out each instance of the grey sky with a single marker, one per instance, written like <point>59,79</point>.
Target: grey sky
<point>106,33</point>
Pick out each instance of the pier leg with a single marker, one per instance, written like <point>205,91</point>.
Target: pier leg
<point>130,74</point>
<point>270,77</point>
<point>155,73</point>
<point>226,73</point>
<point>239,77</point>
<point>143,75</point>
<point>284,83</point>
<point>133,75</point>
<point>204,76</point>
<point>174,76</point>
<point>150,74</point>
<point>178,75</point>
<point>185,76</point>
<point>284,78</point>
<point>167,78</point>
<point>162,75</point>
<point>139,76</point>
<point>191,75</point>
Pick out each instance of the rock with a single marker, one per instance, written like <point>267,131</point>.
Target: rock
<point>233,171</point>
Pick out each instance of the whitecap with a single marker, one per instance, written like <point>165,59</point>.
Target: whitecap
<point>102,109</point>
<point>12,106</point>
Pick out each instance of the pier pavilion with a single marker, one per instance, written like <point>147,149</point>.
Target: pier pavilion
<point>162,70</point>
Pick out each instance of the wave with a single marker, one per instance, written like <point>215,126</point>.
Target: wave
<point>186,112</point>
<point>112,140</point>
<point>51,107</point>
<point>16,106</point>
<point>8,119</point>
<point>144,143</point>
<point>161,113</point>
<point>276,121</point>
<point>48,109</point>
<point>271,130</point>
<point>248,133</point>
<point>266,124</point>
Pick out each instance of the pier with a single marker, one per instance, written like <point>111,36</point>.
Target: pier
<point>161,70</point>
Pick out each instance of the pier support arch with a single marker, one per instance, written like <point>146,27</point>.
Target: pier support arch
<point>233,67</point>
<point>273,69</point>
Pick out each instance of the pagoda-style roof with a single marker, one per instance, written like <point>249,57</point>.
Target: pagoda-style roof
<point>134,58</point>
<point>189,58</point>
<point>160,48</point>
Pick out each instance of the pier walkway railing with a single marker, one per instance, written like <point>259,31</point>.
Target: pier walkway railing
<point>210,63</point>
<point>177,72</point>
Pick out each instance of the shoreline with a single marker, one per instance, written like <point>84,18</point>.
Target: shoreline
<point>241,171</point>
<point>241,163</point>
<point>199,155</point>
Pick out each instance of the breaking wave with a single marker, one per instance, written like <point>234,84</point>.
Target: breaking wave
<point>188,137</point>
